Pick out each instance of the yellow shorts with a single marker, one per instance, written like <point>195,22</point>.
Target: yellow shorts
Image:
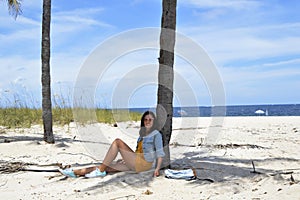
<point>141,164</point>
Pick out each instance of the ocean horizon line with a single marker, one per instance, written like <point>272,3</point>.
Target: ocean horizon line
<point>231,110</point>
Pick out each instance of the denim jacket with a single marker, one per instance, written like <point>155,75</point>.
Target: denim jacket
<point>152,146</point>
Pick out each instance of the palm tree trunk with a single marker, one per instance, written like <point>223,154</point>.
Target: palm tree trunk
<point>166,75</point>
<point>46,81</point>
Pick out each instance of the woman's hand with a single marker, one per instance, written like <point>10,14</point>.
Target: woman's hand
<point>159,162</point>
<point>156,173</point>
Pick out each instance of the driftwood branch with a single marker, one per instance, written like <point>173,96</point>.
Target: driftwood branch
<point>39,170</point>
<point>122,197</point>
<point>220,146</point>
<point>273,174</point>
<point>12,167</point>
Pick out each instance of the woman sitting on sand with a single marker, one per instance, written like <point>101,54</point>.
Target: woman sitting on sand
<point>149,148</point>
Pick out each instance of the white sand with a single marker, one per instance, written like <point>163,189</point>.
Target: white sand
<point>272,143</point>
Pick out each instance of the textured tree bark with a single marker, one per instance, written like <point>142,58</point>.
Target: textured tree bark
<point>164,108</point>
<point>46,80</point>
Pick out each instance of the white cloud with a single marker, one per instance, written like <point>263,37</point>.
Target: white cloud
<point>229,4</point>
<point>32,4</point>
<point>17,36</point>
<point>285,62</point>
<point>255,84</point>
<point>80,12</point>
<point>79,17</point>
<point>246,43</point>
<point>16,68</point>
<point>234,75</point>
<point>65,67</point>
<point>18,80</point>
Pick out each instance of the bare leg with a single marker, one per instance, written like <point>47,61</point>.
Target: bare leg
<point>117,146</point>
<point>126,152</point>
<point>82,172</point>
<point>113,168</point>
<point>117,167</point>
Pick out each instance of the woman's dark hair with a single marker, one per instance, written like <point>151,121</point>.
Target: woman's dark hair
<point>143,129</point>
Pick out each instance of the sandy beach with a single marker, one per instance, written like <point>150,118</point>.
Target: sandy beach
<point>225,166</point>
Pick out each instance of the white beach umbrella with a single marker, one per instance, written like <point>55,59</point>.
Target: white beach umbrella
<point>182,112</point>
<point>260,112</point>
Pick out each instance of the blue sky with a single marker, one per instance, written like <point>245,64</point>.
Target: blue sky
<point>254,45</point>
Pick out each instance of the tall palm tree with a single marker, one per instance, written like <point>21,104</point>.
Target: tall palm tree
<point>46,81</point>
<point>164,109</point>
<point>14,7</point>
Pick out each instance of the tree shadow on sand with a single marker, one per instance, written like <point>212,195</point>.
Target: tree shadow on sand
<point>59,140</point>
<point>121,180</point>
<point>218,169</point>
<point>222,169</point>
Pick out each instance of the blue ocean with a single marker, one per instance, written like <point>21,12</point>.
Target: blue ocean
<point>235,110</point>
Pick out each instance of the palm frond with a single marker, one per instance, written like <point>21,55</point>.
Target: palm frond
<point>14,7</point>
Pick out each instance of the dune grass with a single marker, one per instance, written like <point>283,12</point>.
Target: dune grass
<point>20,109</point>
<point>26,117</point>
<point>20,117</point>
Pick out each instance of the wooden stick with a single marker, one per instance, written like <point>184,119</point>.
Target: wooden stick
<point>253,166</point>
<point>274,174</point>
<point>254,171</point>
<point>292,178</point>
<point>39,170</point>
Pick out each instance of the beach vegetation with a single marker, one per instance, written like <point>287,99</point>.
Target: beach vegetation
<point>19,109</point>
<point>22,117</point>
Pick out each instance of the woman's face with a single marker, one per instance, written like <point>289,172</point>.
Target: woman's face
<point>148,121</point>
